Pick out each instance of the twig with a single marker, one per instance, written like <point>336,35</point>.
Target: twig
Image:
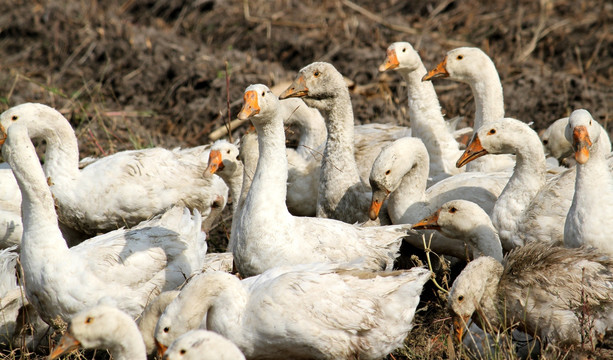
<point>91,135</point>
<point>378,19</point>
<point>427,250</point>
<point>228,103</point>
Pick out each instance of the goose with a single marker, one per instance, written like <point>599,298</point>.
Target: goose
<point>555,142</point>
<point>322,311</point>
<point>466,221</point>
<point>203,345</point>
<point>102,327</point>
<point>266,235</point>
<point>542,288</point>
<point>472,66</point>
<point>150,316</point>
<point>590,216</point>
<point>157,254</point>
<point>427,121</point>
<point>342,195</point>
<point>530,208</point>
<point>11,227</point>
<point>122,189</point>
<point>400,175</point>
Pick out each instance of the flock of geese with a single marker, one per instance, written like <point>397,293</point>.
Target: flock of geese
<point>316,229</point>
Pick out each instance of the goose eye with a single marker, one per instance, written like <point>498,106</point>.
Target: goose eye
<point>404,49</point>
<point>316,73</point>
<point>228,152</point>
<point>238,157</point>
<point>166,329</point>
<point>14,117</point>
<point>492,132</point>
<point>460,57</point>
<point>461,298</point>
<point>182,352</point>
<point>388,172</point>
<point>263,93</point>
<point>89,320</point>
<point>453,210</point>
<point>545,142</point>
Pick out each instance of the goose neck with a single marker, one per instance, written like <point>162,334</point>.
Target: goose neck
<point>489,101</point>
<point>38,207</point>
<point>226,305</point>
<point>486,242</point>
<point>62,153</point>
<point>128,344</point>
<point>407,203</point>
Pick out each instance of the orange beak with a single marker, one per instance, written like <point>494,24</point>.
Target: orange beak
<point>3,135</point>
<point>581,144</point>
<point>161,348</point>
<point>378,197</point>
<point>428,223</point>
<point>473,151</point>
<point>67,344</point>
<point>440,71</point>
<point>459,324</point>
<point>391,61</point>
<point>215,162</point>
<point>298,88</point>
<point>250,105</point>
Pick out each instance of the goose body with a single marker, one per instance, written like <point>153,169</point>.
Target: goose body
<point>267,235</point>
<point>119,190</point>
<point>472,66</point>
<point>310,311</point>
<point>203,345</point>
<point>156,254</point>
<point>540,287</point>
<point>590,218</point>
<point>427,121</point>
<point>555,142</point>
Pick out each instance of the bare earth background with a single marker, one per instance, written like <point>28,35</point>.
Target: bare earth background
<point>139,73</point>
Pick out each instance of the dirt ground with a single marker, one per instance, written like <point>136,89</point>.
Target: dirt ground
<point>139,73</point>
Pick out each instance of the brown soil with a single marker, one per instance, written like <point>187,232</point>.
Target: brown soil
<point>139,73</point>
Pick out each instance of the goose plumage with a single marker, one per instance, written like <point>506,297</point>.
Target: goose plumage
<point>267,235</point>
<point>314,311</point>
<point>119,190</point>
<point>590,216</point>
<point>157,254</point>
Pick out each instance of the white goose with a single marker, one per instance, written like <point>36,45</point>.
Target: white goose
<point>267,235</point>
<point>157,254</point>
<point>341,195</point>
<point>322,311</point>
<point>530,207</point>
<point>10,208</point>
<point>102,327</point>
<point>541,288</point>
<point>590,218</point>
<point>427,121</point>
<point>150,316</point>
<point>473,67</point>
<point>122,189</point>
<point>555,142</point>
<point>400,175</point>
<point>203,345</point>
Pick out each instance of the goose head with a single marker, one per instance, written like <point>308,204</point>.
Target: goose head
<point>455,219</point>
<point>475,285</point>
<point>582,131</point>
<point>259,104</point>
<point>463,64</point>
<point>203,345</point>
<point>401,55</point>
<point>391,165</point>
<point>95,328</point>
<point>318,84</point>
<point>502,136</point>
<point>38,118</point>
<point>224,159</point>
